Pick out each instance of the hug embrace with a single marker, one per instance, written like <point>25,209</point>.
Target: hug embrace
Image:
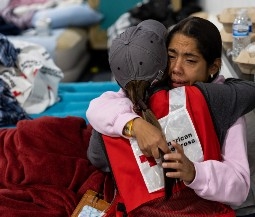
<point>171,88</point>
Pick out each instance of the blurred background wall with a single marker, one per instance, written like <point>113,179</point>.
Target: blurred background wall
<point>216,6</point>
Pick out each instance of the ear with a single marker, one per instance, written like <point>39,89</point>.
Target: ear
<point>215,67</point>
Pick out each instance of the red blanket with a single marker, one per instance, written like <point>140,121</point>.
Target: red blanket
<point>44,168</point>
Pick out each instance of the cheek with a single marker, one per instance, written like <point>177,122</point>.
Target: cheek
<point>196,75</point>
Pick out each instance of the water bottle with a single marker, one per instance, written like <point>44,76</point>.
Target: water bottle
<point>244,11</point>
<point>250,23</point>
<point>241,34</point>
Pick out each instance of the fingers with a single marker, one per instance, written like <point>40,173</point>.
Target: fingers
<point>172,161</point>
<point>151,147</point>
<point>178,161</point>
<point>172,164</point>
<point>177,147</point>
<point>172,168</point>
<point>155,153</point>
<point>164,147</point>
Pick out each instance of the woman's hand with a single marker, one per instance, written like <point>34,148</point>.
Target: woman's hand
<point>149,138</point>
<point>185,169</point>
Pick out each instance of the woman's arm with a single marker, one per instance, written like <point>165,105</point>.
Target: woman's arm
<point>227,102</point>
<point>227,181</point>
<point>109,113</point>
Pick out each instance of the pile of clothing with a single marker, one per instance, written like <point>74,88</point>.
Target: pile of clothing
<point>28,80</point>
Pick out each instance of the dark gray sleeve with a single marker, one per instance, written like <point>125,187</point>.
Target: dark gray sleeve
<point>227,102</point>
<point>96,152</point>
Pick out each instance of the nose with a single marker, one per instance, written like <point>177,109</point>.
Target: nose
<point>176,67</point>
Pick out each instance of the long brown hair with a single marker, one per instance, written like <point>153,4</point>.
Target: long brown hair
<point>137,92</point>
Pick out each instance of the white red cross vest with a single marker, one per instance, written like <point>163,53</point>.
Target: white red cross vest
<point>185,118</point>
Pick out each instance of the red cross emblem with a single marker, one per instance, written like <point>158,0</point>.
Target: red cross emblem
<point>151,160</point>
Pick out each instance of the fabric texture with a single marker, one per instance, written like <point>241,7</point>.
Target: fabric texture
<point>45,171</point>
<point>10,110</point>
<point>96,151</point>
<point>35,79</point>
<point>129,53</point>
<point>8,53</point>
<point>248,207</point>
<point>66,16</point>
<point>237,102</point>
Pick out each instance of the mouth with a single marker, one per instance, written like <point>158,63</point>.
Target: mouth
<point>179,83</point>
